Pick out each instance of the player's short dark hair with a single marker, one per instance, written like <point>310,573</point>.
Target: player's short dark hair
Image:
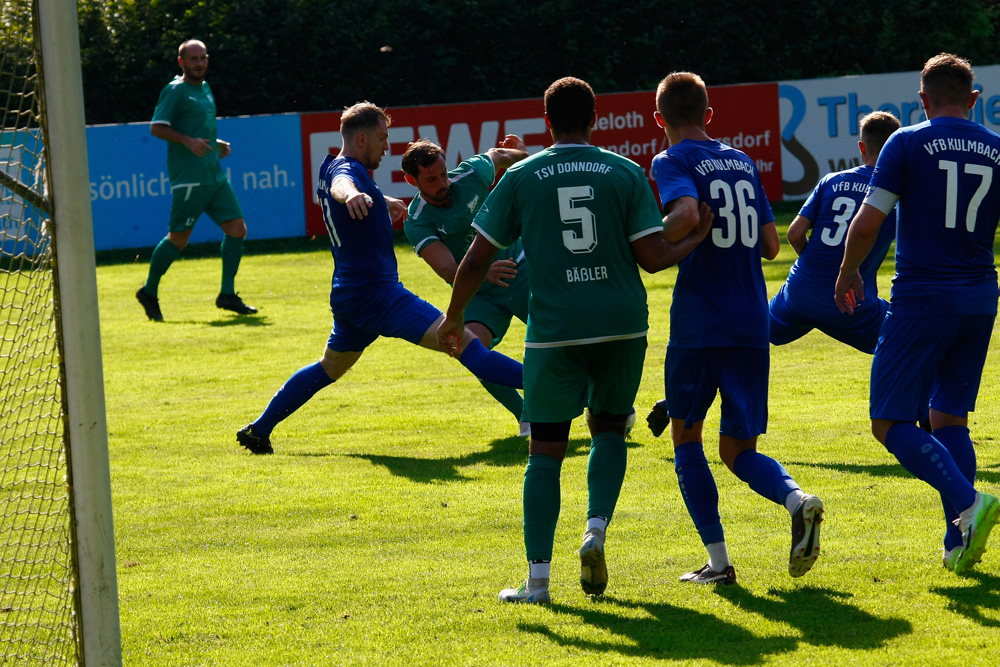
<point>682,99</point>
<point>418,154</point>
<point>186,43</point>
<point>947,79</point>
<point>359,117</point>
<point>570,105</point>
<point>876,128</point>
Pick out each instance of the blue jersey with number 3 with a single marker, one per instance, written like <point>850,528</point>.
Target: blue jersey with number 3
<point>946,172</point>
<point>831,207</point>
<point>364,258</point>
<point>720,299</point>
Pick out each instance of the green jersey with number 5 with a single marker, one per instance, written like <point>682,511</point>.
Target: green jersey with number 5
<point>576,208</point>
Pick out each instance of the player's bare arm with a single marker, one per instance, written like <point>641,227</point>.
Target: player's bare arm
<point>682,216</point>
<point>163,131</point>
<point>470,275</point>
<point>439,258</point>
<point>511,150</point>
<point>343,190</point>
<point>770,244</point>
<point>798,233</point>
<point>861,237</point>
<point>654,252</point>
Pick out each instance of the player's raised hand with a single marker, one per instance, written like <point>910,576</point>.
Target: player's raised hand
<point>514,142</point>
<point>502,270</point>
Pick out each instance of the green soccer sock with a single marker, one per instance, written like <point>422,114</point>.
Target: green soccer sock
<point>506,396</point>
<point>163,256</point>
<point>541,505</point>
<point>232,253</point>
<point>605,473</point>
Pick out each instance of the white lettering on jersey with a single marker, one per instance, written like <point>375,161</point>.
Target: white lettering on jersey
<point>586,274</point>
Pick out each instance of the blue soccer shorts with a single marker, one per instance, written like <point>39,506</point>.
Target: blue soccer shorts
<point>860,330</point>
<point>939,357</point>
<point>693,377</point>
<point>394,311</point>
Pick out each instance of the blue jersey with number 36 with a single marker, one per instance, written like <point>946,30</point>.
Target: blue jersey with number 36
<point>946,172</point>
<point>720,299</point>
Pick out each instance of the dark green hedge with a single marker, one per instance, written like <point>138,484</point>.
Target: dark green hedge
<point>274,56</point>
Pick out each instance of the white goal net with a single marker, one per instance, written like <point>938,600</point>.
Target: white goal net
<point>44,576</point>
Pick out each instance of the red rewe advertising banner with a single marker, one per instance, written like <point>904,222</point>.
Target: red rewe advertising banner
<point>746,117</point>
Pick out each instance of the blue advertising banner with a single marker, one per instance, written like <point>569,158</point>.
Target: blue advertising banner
<point>130,191</point>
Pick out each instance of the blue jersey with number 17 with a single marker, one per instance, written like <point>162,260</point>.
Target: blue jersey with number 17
<point>946,172</point>
<point>363,254</point>
<point>720,299</point>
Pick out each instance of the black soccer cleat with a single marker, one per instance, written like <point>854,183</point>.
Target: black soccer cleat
<point>706,575</point>
<point>234,303</point>
<point>150,304</point>
<point>658,418</point>
<point>257,444</point>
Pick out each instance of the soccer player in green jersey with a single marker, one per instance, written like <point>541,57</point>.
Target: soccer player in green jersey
<point>185,119</point>
<point>586,217</point>
<point>439,226</point>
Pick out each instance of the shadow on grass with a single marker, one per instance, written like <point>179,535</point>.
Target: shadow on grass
<point>667,632</point>
<point>503,452</point>
<point>990,473</point>
<point>241,321</point>
<point>822,615</point>
<point>970,602</point>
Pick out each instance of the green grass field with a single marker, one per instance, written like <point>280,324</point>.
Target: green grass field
<point>389,517</point>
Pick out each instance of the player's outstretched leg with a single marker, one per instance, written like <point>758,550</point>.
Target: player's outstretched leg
<point>297,390</point>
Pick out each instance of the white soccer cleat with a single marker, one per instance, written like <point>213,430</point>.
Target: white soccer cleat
<point>593,567</point>
<point>527,593</point>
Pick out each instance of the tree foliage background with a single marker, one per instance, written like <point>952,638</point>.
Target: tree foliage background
<point>277,56</point>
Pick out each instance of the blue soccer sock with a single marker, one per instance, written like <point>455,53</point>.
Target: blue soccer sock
<point>297,390</point>
<point>927,459</point>
<point>698,489</point>
<point>605,473</point>
<point>958,443</point>
<point>764,475</point>
<point>492,366</point>
<point>541,505</point>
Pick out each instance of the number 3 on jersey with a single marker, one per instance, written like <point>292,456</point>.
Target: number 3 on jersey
<point>734,213</point>
<point>570,213</point>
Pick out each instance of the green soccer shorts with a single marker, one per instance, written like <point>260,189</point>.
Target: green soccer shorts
<point>559,381</point>
<point>495,305</point>
<point>190,200</point>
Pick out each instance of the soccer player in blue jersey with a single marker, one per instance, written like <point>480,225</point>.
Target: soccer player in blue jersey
<point>185,118</point>
<point>439,226</point>
<point>366,296</point>
<point>587,218</point>
<point>803,302</point>
<point>942,176</point>
<point>719,326</point>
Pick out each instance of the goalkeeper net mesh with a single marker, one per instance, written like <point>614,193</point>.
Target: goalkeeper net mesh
<point>36,562</point>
